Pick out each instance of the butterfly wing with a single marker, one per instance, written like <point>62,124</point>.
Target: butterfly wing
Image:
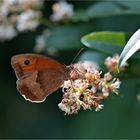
<point>50,80</point>
<point>38,85</point>
<point>39,77</point>
<point>30,89</point>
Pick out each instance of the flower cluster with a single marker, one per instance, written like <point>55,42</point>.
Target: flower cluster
<point>62,10</point>
<point>18,16</point>
<point>88,88</point>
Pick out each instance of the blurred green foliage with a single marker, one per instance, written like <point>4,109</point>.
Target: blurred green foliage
<point>120,116</point>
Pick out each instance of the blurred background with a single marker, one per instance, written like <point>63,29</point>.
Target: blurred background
<point>55,28</point>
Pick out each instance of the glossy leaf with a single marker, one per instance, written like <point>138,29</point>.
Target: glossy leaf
<point>105,42</point>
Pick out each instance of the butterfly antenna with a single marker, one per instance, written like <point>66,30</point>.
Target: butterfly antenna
<point>77,55</point>
<point>77,71</point>
<point>71,67</point>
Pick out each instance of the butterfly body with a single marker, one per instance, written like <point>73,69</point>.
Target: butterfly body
<point>38,76</point>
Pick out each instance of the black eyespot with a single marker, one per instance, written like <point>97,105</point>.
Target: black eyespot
<point>26,62</point>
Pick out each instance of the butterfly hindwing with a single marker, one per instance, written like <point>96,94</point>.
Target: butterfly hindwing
<point>48,78</point>
<point>31,89</point>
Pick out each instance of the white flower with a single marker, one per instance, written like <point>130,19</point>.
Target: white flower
<point>62,10</point>
<point>7,32</point>
<point>5,6</point>
<point>66,84</point>
<point>41,42</point>
<point>28,20</point>
<point>79,82</point>
<point>107,76</point>
<point>116,84</point>
<point>90,66</point>
<point>105,94</point>
<point>93,89</point>
<point>64,108</point>
<point>99,107</point>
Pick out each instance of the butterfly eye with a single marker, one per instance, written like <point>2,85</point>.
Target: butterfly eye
<point>26,62</point>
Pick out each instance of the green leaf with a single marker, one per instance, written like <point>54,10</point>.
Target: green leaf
<point>113,8</point>
<point>105,42</point>
<point>131,5</point>
<point>103,9</point>
<point>130,48</point>
<point>80,15</point>
<point>68,37</point>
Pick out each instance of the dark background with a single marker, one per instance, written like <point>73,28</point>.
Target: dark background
<point>22,119</point>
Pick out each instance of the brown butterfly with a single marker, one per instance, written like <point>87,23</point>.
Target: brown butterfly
<point>38,76</point>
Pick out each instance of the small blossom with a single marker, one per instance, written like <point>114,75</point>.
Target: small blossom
<point>111,63</point>
<point>97,75</point>
<point>105,89</point>
<point>28,20</point>
<point>7,32</point>
<point>64,108</point>
<point>116,83</point>
<point>105,94</point>
<point>62,10</point>
<point>99,107</point>
<point>93,89</point>
<point>90,66</point>
<point>108,76</point>
<point>115,86</point>
<point>41,41</point>
<point>66,85</point>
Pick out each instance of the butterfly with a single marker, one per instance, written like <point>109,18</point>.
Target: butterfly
<point>38,76</point>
